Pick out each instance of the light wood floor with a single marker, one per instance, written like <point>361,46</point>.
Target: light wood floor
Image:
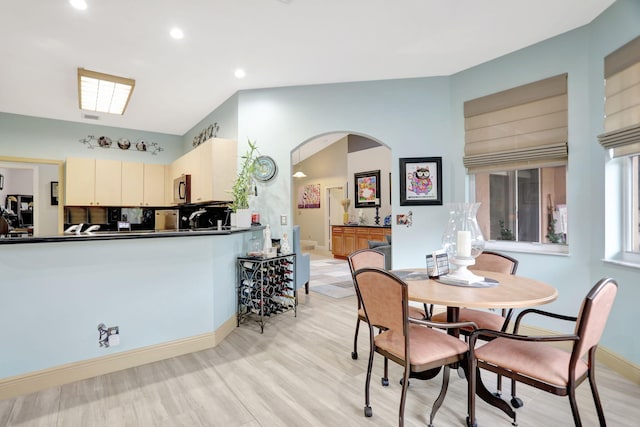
<point>298,373</point>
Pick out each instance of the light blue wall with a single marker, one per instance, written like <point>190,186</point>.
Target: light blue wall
<point>156,290</point>
<point>411,116</point>
<point>24,136</point>
<point>226,116</point>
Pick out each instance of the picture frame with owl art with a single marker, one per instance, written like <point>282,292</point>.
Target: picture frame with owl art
<point>420,181</point>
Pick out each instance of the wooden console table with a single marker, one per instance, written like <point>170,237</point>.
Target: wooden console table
<point>349,238</point>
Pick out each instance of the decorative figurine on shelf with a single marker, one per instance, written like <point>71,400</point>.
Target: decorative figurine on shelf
<point>266,234</point>
<point>377,217</point>
<point>285,248</point>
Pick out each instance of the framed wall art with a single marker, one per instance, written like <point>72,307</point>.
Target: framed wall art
<point>367,186</point>
<point>309,196</point>
<point>54,193</point>
<point>421,181</point>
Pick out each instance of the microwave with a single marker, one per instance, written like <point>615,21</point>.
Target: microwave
<point>182,189</point>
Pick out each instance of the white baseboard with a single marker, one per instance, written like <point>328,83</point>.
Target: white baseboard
<point>64,374</point>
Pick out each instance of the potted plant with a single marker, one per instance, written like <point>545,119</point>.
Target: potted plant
<point>243,188</point>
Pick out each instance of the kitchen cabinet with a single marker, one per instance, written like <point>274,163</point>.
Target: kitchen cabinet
<point>132,184</point>
<point>97,182</point>
<point>80,182</point>
<point>218,170</point>
<point>93,182</point>
<point>108,191</point>
<point>154,184</point>
<point>213,166</point>
<point>347,239</point>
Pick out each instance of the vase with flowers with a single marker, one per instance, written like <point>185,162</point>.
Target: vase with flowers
<point>345,205</point>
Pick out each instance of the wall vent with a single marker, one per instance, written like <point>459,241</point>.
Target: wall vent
<point>90,117</point>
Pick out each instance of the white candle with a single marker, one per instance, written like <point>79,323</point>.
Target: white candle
<point>463,243</point>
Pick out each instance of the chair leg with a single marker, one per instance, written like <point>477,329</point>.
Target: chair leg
<point>443,392</point>
<point>354,353</point>
<point>368,412</point>
<point>385,378</point>
<point>596,396</point>
<point>574,407</point>
<point>403,395</point>
<point>516,402</point>
<point>471,391</point>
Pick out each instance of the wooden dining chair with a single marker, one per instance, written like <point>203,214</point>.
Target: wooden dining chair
<point>412,343</point>
<point>370,258</point>
<point>533,360</point>
<point>499,263</point>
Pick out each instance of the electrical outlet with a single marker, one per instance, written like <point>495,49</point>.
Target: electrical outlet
<point>283,220</point>
<point>114,335</point>
<point>108,336</point>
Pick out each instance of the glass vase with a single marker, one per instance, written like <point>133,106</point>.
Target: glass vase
<point>463,240</point>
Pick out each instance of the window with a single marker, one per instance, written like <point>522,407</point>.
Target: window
<point>525,205</point>
<point>622,140</point>
<point>516,155</point>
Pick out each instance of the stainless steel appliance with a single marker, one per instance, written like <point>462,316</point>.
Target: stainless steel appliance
<point>167,220</point>
<point>182,189</point>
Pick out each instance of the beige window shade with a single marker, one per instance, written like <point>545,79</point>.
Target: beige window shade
<point>622,103</point>
<point>523,127</point>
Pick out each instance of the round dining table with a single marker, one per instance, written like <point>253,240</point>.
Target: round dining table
<point>499,290</point>
<point>510,291</point>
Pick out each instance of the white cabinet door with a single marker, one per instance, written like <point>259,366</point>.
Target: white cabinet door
<point>108,182</point>
<point>80,182</point>
<point>154,185</point>
<point>132,184</point>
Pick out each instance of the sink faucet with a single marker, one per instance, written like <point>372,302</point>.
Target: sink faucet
<point>193,218</point>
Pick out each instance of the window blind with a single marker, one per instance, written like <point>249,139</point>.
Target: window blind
<point>522,127</point>
<point>622,100</point>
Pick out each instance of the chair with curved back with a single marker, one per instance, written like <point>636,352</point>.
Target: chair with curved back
<point>412,343</point>
<point>533,360</point>
<point>370,258</point>
<point>499,263</point>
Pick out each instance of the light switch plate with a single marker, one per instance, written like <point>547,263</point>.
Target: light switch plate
<point>283,220</point>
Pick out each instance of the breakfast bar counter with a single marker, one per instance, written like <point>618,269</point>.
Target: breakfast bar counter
<point>169,293</point>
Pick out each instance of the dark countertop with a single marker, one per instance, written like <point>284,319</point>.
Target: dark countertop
<point>361,226</point>
<point>120,235</point>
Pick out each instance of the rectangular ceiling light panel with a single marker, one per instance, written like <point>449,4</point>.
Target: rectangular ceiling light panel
<point>103,92</point>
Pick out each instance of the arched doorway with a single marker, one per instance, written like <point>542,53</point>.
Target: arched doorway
<point>329,162</point>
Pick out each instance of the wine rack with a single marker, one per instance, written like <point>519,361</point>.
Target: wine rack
<point>266,288</point>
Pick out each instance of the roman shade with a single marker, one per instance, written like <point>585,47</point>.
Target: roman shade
<point>622,100</point>
<point>523,127</point>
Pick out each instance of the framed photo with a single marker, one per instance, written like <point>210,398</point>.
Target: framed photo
<point>421,181</point>
<point>367,189</point>
<point>54,193</point>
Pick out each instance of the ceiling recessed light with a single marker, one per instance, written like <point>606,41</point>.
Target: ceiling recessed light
<point>78,4</point>
<point>240,73</point>
<point>176,33</point>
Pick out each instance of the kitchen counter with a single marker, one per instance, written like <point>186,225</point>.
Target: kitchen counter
<point>123,235</point>
<point>170,293</point>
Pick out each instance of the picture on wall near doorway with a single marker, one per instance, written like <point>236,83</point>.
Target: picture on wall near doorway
<point>421,181</point>
<point>367,189</point>
<point>54,193</point>
<point>309,196</point>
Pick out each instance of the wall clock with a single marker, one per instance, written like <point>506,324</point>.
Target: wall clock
<point>266,169</point>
